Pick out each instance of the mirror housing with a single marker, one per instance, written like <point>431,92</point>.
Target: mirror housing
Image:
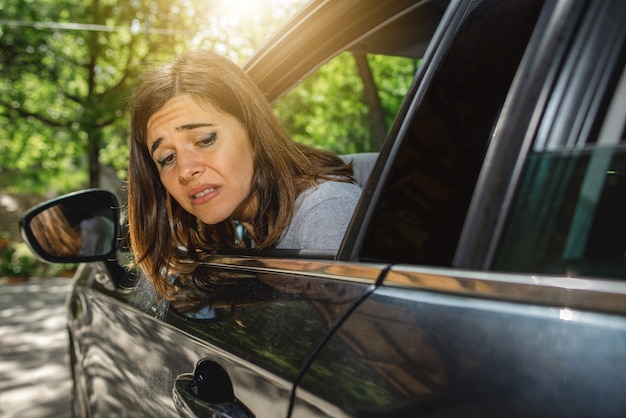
<point>77,227</point>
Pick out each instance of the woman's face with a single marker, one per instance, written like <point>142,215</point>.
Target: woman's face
<point>204,159</point>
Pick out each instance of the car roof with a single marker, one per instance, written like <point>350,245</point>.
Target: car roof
<point>324,28</point>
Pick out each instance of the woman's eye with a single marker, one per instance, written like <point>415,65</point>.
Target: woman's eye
<point>166,160</point>
<point>207,140</point>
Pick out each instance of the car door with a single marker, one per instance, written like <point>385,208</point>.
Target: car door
<point>239,336</point>
<point>500,210</point>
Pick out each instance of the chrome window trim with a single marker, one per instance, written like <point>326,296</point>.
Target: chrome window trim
<point>607,296</point>
<point>365,273</point>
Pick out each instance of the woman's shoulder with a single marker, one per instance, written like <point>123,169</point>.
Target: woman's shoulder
<point>331,190</point>
<point>330,186</point>
<point>322,215</point>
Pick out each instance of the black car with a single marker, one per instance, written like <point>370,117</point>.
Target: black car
<point>482,273</point>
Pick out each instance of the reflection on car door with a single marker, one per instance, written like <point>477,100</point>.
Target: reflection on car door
<point>435,342</point>
<point>270,321</point>
<point>260,319</point>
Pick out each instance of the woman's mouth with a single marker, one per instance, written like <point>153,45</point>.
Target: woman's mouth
<point>203,195</point>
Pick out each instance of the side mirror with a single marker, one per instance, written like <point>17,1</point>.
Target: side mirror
<point>77,227</point>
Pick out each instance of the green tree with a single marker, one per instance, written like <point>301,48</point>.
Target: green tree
<point>67,68</point>
<point>349,104</point>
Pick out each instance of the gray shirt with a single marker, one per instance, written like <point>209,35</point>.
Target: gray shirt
<point>321,217</point>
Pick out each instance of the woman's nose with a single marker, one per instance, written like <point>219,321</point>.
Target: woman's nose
<point>189,166</point>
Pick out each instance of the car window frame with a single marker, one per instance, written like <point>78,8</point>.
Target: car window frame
<point>514,132</point>
<point>447,32</point>
<point>357,230</point>
<point>348,40</point>
<point>551,127</point>
<point>317,43</point>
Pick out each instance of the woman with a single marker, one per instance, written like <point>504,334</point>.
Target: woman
<point>207,151</point>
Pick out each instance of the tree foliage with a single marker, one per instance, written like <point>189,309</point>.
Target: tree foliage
<point>67,68</point>
<point>329,108</point>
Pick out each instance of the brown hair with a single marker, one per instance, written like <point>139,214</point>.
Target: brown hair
<point>164,237</point>
<point>55,234</point>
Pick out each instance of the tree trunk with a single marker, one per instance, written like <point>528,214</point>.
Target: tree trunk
<point>376,113</point>
<point>93,152</point>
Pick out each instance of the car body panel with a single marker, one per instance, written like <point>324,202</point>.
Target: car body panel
<point>442,354</point>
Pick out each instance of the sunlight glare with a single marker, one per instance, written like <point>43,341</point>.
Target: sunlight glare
<point>237,27</point>
<point>256,10</point>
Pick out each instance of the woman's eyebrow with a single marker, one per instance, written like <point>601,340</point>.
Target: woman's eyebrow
<point>185,127</point>
<point>155,145</point>
<point>190,126</point>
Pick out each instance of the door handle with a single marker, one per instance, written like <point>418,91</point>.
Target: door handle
<point>207,392</point>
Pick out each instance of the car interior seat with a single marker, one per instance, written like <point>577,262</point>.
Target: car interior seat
<point>362,164</point>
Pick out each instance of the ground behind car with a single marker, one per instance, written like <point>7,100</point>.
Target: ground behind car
<point>34,371</point>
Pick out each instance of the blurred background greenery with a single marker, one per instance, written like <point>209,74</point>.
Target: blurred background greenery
<point>67,69</point>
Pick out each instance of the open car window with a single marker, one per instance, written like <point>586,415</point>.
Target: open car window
<point>349,104</point>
